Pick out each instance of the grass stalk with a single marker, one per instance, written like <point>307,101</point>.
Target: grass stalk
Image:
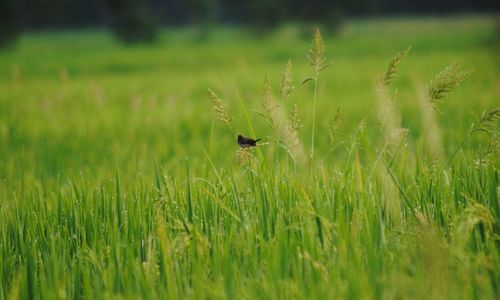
<point>313,133</point>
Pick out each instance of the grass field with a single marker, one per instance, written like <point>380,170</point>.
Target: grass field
<point>119,180</point>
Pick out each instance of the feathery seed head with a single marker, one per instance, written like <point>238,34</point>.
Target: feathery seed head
<point>268,103</point>
<point>392,69</point>
<point>334,126</point>
<point>444,82</point>
<point>474,215</point>
<point>316,55</point>
<point>493,146</point>
<point>244,155</point>
<point>294,120</point>
<point>220,109</point>
<point>488,121</point>
<point>287,81</point>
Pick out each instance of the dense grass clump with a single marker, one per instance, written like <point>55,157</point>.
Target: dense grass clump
<point>117,181</point>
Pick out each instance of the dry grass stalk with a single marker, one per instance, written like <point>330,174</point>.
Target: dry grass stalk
<point>285,127</point>
<point>334,127</point>
<point>475,215</point>
<point>488,120</point>
<point>394,135</point>
<point>269,104</point>
<point>390,195</point>
<point>444,82</point>
<point>220,110</point>
<point>432,132</point>
<point>390,75</point>
<point>486,123</point>
<point>245,155</point>
<point>316,55</point>
<point>389,118</point>
<point>493,146</point>
<point>287,86</point>
<point>294,121</point>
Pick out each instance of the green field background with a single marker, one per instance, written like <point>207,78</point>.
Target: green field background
<point>117,181</point>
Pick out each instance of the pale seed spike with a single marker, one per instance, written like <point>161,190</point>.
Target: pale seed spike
<point>488,120</point>
<point>268,103</point>
<point>334,128</point>
<point>444,82</point>
<point>316,52</point>
<point>287,81</point>
<point>244,155</point>
<point>294,120</point>
<point>220,109</point>
<point>392,69</point>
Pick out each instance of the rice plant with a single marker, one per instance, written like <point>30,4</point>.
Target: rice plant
<point>103,196</point>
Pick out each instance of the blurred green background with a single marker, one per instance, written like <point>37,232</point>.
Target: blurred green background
<point>79,101</point>
<point>117,181</point>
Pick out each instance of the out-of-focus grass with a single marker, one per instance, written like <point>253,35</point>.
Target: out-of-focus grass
<point>97,139</point>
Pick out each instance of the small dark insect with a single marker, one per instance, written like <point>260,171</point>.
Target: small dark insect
<point>246,142</point>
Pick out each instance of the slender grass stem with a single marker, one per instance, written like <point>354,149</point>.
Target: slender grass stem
<point>460,146</point>
<point>316,78</point>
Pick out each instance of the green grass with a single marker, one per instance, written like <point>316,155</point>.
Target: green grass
<point>117,181</point>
